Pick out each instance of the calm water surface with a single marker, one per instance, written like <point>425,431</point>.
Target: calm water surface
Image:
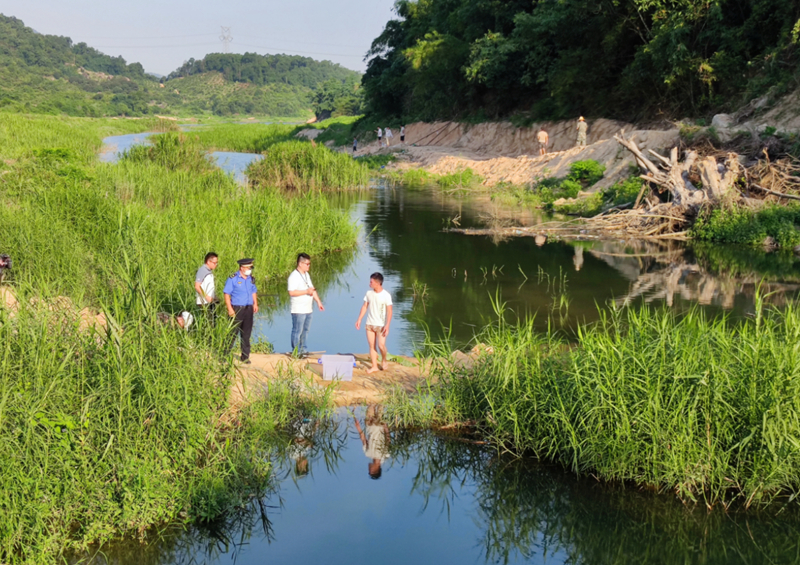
<point>561,283</point>
<point>439,500</point>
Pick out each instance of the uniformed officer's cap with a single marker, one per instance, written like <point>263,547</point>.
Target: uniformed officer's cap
<point>243,262</point>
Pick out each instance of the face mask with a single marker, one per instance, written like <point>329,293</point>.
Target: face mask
<point>247,272</point>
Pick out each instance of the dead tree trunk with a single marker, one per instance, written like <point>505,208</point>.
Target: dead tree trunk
<point>672,175</point>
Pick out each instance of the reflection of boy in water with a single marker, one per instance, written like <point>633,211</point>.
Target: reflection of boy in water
<point>375,442</point>
<point>301,448</point>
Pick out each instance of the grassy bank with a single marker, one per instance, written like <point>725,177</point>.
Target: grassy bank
<point>108,434</point>
<point>704,408</point>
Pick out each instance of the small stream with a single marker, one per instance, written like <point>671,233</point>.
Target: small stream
<point>439,500</point>
<point>443,500</point>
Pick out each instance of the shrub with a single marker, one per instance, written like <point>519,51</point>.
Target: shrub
<point>741,225</point>
<point>624,191</point>
<point>586,172</point>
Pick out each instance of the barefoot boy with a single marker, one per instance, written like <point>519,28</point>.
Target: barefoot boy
<point>378,307</point>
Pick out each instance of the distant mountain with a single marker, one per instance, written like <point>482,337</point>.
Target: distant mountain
<point>49,74</point>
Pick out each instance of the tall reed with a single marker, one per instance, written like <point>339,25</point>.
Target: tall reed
<point>704,407</point>
<point>107,434</point>
<point>298,165</point>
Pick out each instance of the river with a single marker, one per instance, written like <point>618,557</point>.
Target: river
<point>447,284</point>
<point>451,500</point>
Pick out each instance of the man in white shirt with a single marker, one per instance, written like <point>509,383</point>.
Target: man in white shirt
<point>303,295</point>
<point>389,137</point>
<point>204,282</point>
<point>378,305</point>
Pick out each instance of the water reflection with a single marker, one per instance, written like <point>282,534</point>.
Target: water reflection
<point>464,274</point>
<point>450,500</point>
<point>375,439</point>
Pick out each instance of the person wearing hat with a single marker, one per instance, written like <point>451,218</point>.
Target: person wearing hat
<point>581,127</point>
<point>242,302</point>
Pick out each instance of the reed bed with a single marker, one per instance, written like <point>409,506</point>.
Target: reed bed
<point>245,138</point>
<point>105,433</point>
<point>704,407</point>
<point>302,166</point>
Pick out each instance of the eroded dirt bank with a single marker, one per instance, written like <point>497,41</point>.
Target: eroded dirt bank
<point>501,152</point>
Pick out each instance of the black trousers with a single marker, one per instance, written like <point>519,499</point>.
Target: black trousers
<point>243,324</point>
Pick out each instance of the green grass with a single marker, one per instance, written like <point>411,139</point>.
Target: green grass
<point>704,408</point>
<point>244,138</point>
<point>465,179</point>
<point>301,166</point>
<point>109,434</point>
<point>733,224</point>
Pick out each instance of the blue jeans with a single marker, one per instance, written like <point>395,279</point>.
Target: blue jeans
<point>301,323</point>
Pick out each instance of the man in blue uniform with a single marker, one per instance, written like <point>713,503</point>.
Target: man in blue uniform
<point>242,302</point>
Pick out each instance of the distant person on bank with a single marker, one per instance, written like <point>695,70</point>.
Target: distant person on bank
<point>355,145</point>
<point>389,137</point>
<point>242,303</point>
<point>380,137</point>
<point>543,139</point>
<point>303,295</point>
<point>402,134</point>
<point>378,307</point>
<point>581,128</point>
<point>204,282</point>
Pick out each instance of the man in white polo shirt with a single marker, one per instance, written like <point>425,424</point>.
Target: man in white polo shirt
<point>204,282</point>
<point>303,295</point>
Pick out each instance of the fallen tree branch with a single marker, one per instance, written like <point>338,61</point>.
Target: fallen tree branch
<point>779,194</point>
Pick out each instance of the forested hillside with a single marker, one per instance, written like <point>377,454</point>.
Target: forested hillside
<point>336,89</point>
<point>266,69</point>
<point>629,59</point>
<point>50,74</point>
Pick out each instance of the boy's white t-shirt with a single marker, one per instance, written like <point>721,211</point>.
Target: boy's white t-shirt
<point>300,304</point>
<point>376,307</point>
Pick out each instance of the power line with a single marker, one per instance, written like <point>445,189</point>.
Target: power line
<point>205,43</point>
<point>297,51</point>
<point>147,37</point>
<point>310,42</point>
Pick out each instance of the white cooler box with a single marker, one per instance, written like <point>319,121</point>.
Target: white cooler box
<point>339,367</point>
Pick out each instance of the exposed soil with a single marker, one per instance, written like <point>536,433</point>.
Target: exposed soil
<point>501,152</point>
<point>365,388</point>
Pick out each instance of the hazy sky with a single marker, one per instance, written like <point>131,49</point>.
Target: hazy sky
<point>161,35</point>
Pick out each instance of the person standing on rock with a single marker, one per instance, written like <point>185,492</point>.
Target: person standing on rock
<point>242,303</point>
<point>389,137</point>
<point>303,295</point>
<point>543,139</point>
<point>380,137</point>
<point>581,128</point>
<point>355,145</point>
<point>402,134</point>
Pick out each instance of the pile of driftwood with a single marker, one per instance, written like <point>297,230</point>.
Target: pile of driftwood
<point>674,192</point>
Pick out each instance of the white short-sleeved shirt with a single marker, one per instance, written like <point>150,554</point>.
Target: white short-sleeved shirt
<point>376,307</point>
<point>376,447</point>
<point>301,281</point>
<point>205,277</point>
<point>389,133</point>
